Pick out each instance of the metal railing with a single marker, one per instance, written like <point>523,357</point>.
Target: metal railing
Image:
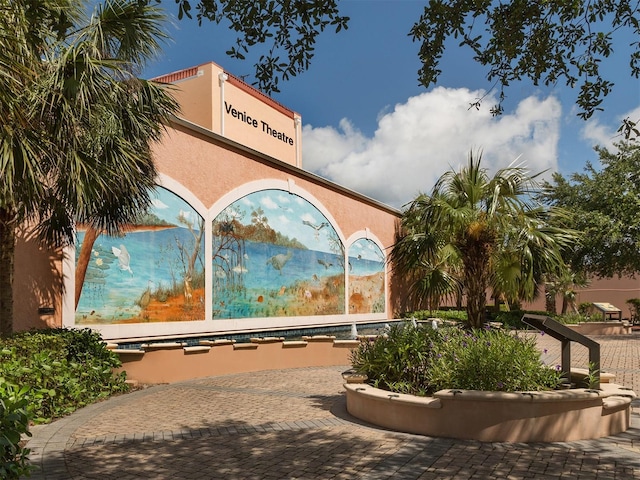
<point>563,333</point>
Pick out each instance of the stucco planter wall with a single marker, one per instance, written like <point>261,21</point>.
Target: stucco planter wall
<point>553,416</point>
<point>602,328</point>
<point>173,362</point>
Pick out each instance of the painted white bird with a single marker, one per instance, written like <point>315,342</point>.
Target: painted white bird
<point>123,258</point>
<point>317,228</point>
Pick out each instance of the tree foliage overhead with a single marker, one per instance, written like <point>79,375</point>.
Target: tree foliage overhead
<point>605,205</point>
<point>289,27</point>
<point>547,42</point>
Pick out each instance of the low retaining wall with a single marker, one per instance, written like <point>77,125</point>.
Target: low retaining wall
<point>553,416</point>
<point>602,328</point>
<point>172,362</point>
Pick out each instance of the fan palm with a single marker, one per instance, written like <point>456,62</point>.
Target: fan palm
<point>564,284</point>
<point>481,233</point>
<point>77,125</point>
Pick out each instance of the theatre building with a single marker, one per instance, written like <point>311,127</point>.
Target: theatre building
<point>239,238</point>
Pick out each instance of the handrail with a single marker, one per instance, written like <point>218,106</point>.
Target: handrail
<point>566,336</point>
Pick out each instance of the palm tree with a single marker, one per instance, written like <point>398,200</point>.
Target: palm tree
<point>77,125</point>
<point>431,278</point>
<point>564,284</point>
<point>484,233</point>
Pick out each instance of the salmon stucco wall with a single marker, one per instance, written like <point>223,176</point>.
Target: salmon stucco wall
<point>37,284</point>
<point>223,104</point>
<point>615,291</point>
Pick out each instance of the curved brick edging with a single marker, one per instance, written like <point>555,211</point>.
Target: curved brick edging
<point>554,416</point>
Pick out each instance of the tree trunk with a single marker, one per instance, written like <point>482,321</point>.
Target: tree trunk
<point>90,236</point>
<point>476,304</point>
<point>7,256</point>
<point>549,300</point>
<point>496,303</point>
<point>476,251</point>
<point>476,290</point>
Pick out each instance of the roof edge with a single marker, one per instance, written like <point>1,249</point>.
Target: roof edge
<point>283,165</point>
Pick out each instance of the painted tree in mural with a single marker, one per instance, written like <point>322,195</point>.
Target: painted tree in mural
<point>77,124</point>
<point>189,254</point>
<point>545,42</point>
<point>228,251</point>
<point>480,233</point>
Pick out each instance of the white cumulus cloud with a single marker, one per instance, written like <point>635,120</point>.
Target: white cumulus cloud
<point>418,140</point>
<point>606,135</point>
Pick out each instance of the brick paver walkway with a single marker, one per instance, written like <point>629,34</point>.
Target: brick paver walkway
<point>292,424</point>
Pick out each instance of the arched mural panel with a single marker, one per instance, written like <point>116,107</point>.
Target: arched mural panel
<point>274,254</point>
<point>366,277</point>
<point>153,273</point>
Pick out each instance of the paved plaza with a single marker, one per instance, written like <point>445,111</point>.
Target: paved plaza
<point>293,424</point>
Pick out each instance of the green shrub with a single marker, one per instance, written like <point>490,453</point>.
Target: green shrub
<point>488,360</point>
<point>423,360</point>
<point>397,360</point>
<point>14,422</point>
<point>574,318</point>
<point>66,369</point>
<point>511,319</point>
<point>585,308</point>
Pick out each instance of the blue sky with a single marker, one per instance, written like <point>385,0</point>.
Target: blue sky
<point>369,126</point>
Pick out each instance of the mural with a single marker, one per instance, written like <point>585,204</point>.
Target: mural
<point>153,273</point>
<point>366,277</point>
<point>275,254</point>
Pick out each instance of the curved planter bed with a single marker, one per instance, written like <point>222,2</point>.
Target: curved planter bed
<point>553,416</point>
<point>602,328</point>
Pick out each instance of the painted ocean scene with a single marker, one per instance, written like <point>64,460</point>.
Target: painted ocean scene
<point>275,254</point>
<point>366,277</point>
<point>153,273</point>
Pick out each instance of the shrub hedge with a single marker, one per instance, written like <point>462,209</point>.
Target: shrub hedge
<point>14,422</point>
<point>65,369</point>
<point>44,375</point>
<point>422,360</point>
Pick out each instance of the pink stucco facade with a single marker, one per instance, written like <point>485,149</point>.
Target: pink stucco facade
<point>216,100</point>
<point>229,142</point>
